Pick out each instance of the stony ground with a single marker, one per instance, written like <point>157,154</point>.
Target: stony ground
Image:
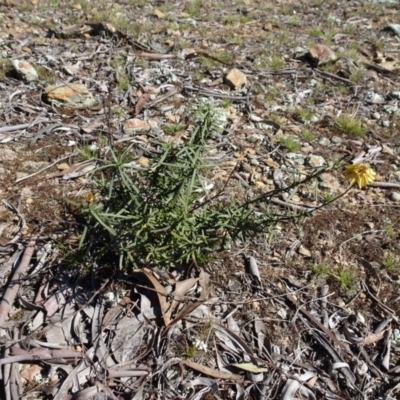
<point>311,310</point>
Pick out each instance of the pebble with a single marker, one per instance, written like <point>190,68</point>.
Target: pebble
<point>315,161</point>
<point>395,196</point>
<point>25,70</point>
<point>376,115</point>
<point>336,140</point>
<point>298,158</point>
<point>387,150</point>
<point>74,95</point>
<point>390,108</point>
<point>324,142</point>
<point>385,123</point>
<point>235,78</point>
<point>374,98</point>
<point>304,251</point>
<point>395,95</point>
<point>395,28</point>
<point>321,54</point>
<point>136,125</point>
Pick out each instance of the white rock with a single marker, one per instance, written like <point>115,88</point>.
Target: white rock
<point>315,161</point>
<point>395,196</point>
<point>25,70</point>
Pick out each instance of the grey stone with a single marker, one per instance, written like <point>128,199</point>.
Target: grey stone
<point>324,141</point>
<point>395,196</point>
<point>395,95</point>
<point>336,140</point>
<point>315,161</point>
<point>374,98</point>
<point>376,115</point>
<point>25,70</point>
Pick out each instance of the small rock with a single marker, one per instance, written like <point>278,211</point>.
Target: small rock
<point>395,28</point>
<point>315,161</point>
<point>271,163</point>
<point>387,150</point>
<point>385,123</point>
<point>395,95</point>
<point>25,70</point>
<point>374,98</point>
<point>62,166</point>
<point>321,54</point>
<point>29,373</point>
<point>324,142</point>
<point>304,252</point>
<point>135,125</point>
<point>376,115</point>
<point>336,140</point>
<point>395,196</point>
<point>390,108</point>
<point>29,200</point>
<point>76,6</point>
<point>73,95</point>
<point>70,70</point>
<point>159,14</point>
<point>235,78</point>
<point>255,138</point>
<point>298,158</point>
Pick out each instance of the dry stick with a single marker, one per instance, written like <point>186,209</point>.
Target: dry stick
<point>15,282</point>
<point>44,169</point>
<point>385,185</point>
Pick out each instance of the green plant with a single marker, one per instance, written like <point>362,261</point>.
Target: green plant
<point>315,31</point>
<point>349,124</point>
<point>276,61</point>
<point>173,128</point>
<point>164,215</point>
<point>122,78</point>
<point>303,114</point>
<point>389,230</point>
<point>46,75</point>
<point>391,263</point>
<point>308,135</point>
<point>290,142</point>
<point>345,277</point>
<point>87,152</point>
<point>226,56</point>
<point>193,8</point>
<point>356,74</point>
<point>320,270</point>
<point>273,94</point>
<point>235,18</point>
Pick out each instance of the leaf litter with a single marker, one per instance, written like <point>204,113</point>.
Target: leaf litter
<point>259,323</point>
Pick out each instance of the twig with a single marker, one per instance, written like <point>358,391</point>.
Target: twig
<point>44,168</point>
<point>333,76</point>
<point>21,219</point>
<point>15,282</point>
<point>385,185</point>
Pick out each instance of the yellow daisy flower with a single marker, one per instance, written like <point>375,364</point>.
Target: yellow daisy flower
<point>362,174</point>
<point>89,197</point>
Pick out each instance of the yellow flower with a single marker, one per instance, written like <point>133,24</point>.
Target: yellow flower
<point>89,197</point>
<point>362,174</point>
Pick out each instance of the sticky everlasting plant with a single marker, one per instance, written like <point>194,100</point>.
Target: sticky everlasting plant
<point>168,213</point>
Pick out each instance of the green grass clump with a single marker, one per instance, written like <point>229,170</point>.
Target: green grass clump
<point>166,214</point>
<point>350,125</point>
<point>289,141</point>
